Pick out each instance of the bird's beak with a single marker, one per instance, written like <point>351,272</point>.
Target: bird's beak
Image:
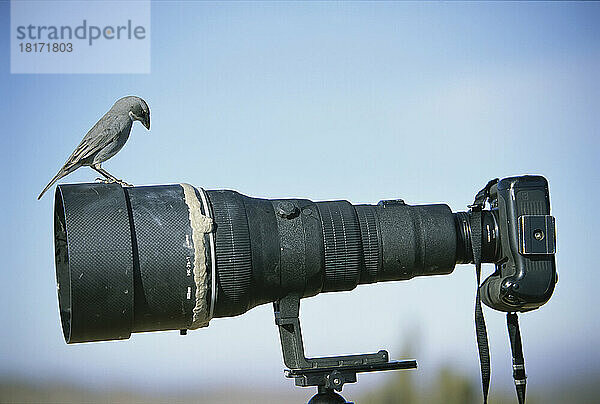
<point>146,123</point>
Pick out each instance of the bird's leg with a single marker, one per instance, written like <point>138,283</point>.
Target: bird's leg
<point>109,178</point>
<point>105,173</point>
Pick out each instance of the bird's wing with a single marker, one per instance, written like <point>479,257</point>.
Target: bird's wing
<point>105,131</point>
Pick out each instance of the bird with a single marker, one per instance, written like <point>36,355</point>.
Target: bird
<point>106,138</point>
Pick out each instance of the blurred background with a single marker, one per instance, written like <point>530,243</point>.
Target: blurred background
<point>358,101</point>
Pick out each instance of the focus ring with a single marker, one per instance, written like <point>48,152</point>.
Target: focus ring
<point>342,241</point>
<point>370,243</point>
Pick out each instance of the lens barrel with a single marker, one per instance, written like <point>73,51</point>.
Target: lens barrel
<point>128,259</point>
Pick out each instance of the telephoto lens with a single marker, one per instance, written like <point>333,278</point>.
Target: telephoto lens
<point>171,257</point>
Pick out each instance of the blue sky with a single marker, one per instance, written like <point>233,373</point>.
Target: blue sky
<point>356,101</point>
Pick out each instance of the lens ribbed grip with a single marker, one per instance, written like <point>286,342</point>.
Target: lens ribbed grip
<point>370,243</point>
<point>342,240</point>
<point>234,259</point>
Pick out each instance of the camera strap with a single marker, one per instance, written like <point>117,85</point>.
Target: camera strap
<point>512,320</point>
<point>480,328</point>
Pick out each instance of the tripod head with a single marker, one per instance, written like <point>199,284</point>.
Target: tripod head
<point>328,373</point>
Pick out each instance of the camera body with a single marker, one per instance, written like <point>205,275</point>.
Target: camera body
<point>525,273</point>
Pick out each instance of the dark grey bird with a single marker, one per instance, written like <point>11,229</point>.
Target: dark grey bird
<point>106,138</point>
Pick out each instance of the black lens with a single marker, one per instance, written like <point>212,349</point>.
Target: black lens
<point>138,259</point>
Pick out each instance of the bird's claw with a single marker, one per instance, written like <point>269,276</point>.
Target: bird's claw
<point>123,183</point>
<point>113,181</point>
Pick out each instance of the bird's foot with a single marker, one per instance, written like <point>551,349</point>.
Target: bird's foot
<point>104,180</point>
<point>114,181</point>
<point>123,183</point>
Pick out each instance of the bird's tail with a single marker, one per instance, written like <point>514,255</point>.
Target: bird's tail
<point>61,173</point>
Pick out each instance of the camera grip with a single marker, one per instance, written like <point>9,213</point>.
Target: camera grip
<point>526,271</point>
